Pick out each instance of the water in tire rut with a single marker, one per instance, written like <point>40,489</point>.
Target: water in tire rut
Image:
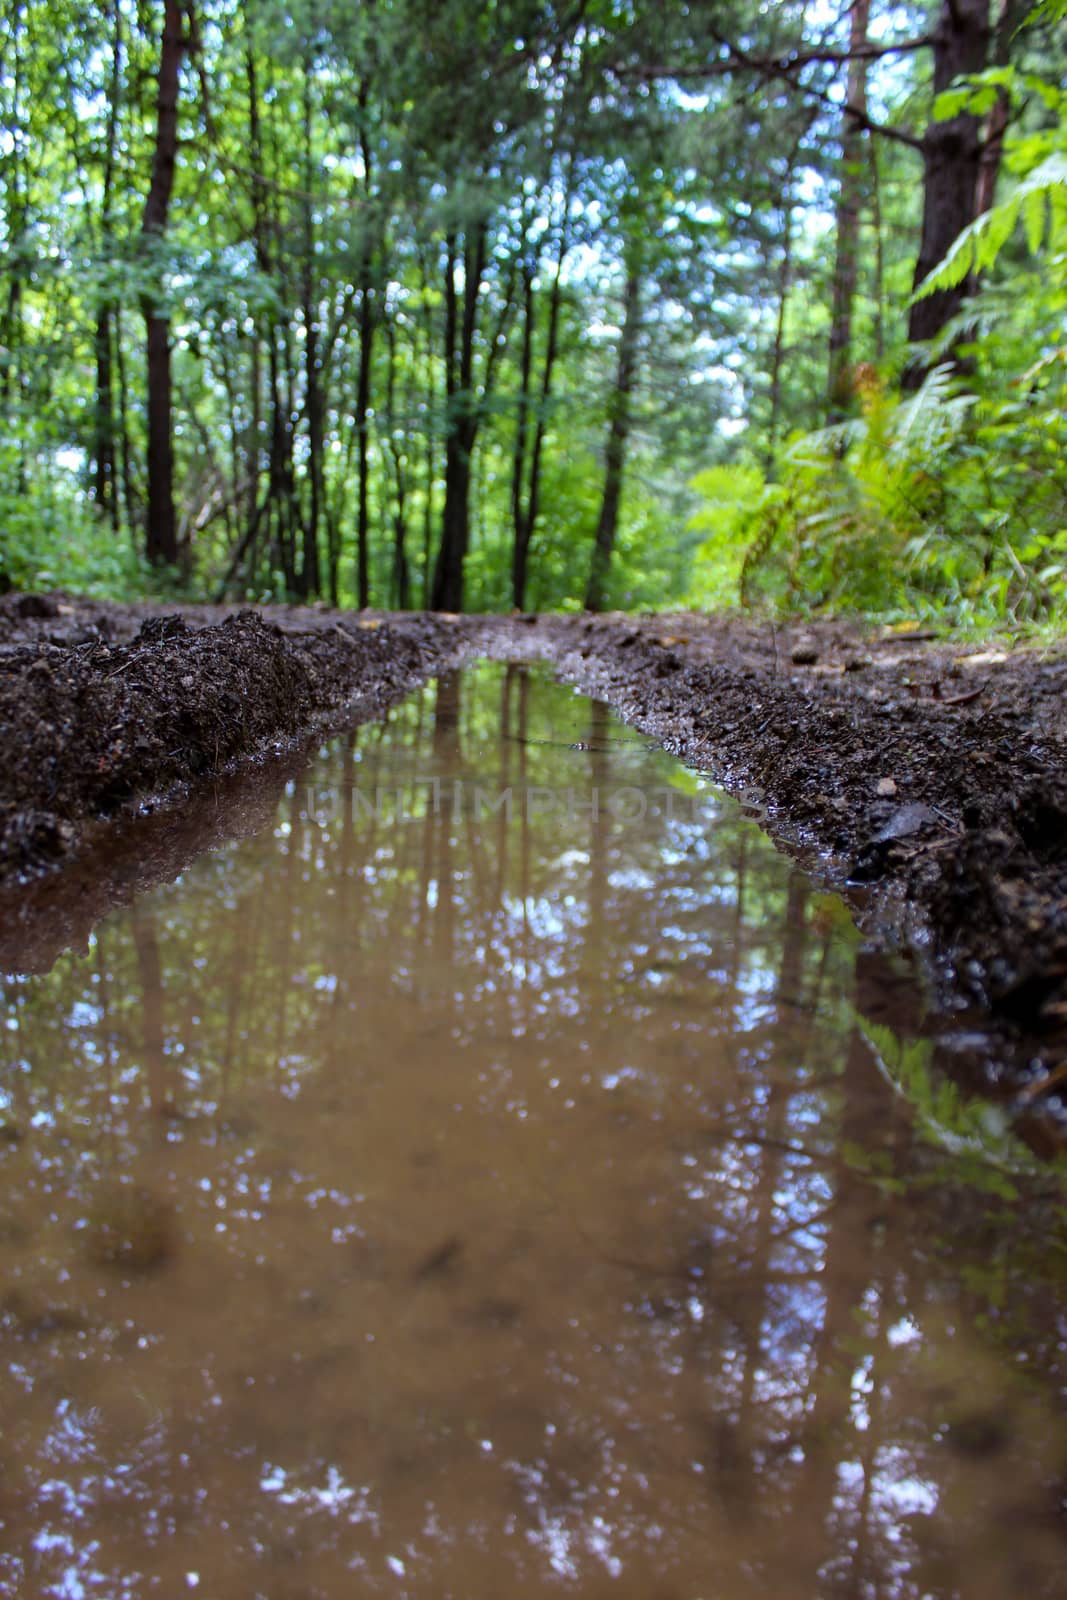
<point>506,1174</point>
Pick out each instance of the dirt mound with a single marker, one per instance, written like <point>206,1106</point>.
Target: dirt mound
<point>89,725</point>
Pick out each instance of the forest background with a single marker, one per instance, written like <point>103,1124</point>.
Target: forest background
<point>514,304</point>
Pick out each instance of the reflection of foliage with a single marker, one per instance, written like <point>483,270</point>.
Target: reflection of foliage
<point>974,1136</point>
<point>325,998</point>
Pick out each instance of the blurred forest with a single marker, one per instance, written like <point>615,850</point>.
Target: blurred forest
<point>540,305</point>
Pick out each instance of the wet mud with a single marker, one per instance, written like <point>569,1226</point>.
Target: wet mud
<point>924,777</point>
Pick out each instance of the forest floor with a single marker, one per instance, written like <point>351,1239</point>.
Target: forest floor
<point>924,778</point>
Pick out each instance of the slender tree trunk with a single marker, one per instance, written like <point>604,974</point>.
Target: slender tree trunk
<point>401,584</point>
<point>879,250</point>
<point>952,159</point>
<point>17,221</point>
<point>367,322</point>
<point>129,493</point>
<point>104,475</point>
<point>618,436</point>
<point>314,401</point>
<point>785,283</point>
<point>281,493</point>
<point>526,526</point>
<point>849,205</point>
<point>362,424</point>
<point>1007,15</point>
<point>105,484</point>
<point>463,416</point>
<point>522,428</point>
<point>15,207</point>
<point>448,571</point>
<point>430,450</point>
<point>261,244</point>
<point>161,534</point>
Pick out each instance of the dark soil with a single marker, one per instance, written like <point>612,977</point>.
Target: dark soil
<point>927,778</point>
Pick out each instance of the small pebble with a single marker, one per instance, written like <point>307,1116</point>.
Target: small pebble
<point>804,655</point>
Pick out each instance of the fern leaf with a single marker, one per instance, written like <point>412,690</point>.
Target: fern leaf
<point>1035,210</point>
<point>978,246</point>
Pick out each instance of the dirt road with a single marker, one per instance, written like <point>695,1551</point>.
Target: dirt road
<point>925,778</point>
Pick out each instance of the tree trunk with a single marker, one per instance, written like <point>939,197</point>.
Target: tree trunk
<point>105,477</point>
<point>879,251</point>
<point>253,509</point>
<point>161,534</point>
<point>526,525</point>
<point>15,206</point>
<point>361,419</point>
<point>314,400</point>
<point>849,204</point>
<point>429,451</point>
<point>952,158</point>
<point>401,578</point>
<point>367,318</point>
<point>618,435</point>
<point>129,493</point>
<point>785,284</point>
<point>462,419</point>
<point>1008,12</point>
<point>455,521</point>
<point>522,428</point>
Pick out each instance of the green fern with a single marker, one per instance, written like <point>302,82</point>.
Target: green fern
<point>1040,200</point>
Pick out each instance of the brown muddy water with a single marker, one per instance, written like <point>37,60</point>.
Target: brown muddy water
<point>500,1177</point>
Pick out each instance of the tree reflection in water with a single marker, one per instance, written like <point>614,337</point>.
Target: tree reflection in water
<point>539,1215</point>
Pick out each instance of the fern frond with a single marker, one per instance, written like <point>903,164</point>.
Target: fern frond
<point>814,449</point>
<point>933,415</point>
<point>1039,196</point>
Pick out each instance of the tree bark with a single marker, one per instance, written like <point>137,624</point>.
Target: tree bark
<point>952,157</point>
<point>315,407</point>
<point>785,284</point>
<point>367,320</point>
<point>522,428</point>
<point>462,417</point>
<point>161,533</point>
<point>526,519</point>
<point>1008,12</point>
<point>253,509</point>
<point>16,208</point>
<point>849,204</point>
<point>362,421</point>
<point>129,492</point>
<point>401,576</point>
<point>618,435</point>
<point>428,432</point>
<point>105,477</point>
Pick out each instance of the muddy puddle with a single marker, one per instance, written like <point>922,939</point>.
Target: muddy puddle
<point>505,1174</point>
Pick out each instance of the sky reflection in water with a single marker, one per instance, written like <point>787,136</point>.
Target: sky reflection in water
<point>463,1187</point>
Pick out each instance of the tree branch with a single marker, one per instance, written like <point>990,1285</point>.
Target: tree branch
<point>773,66</point>
<point>770,69</point>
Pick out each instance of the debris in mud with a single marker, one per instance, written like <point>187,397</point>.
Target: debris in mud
<point>130,1227</point>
